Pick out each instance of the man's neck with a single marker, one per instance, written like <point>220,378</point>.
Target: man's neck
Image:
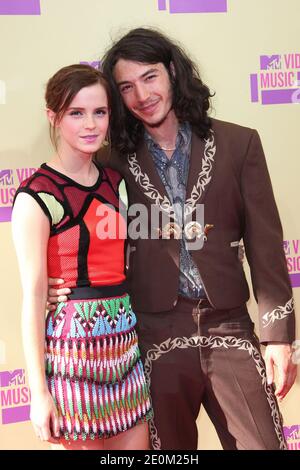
<point>165,135</point>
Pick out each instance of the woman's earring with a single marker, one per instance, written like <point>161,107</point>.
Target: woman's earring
<point>106,141</point>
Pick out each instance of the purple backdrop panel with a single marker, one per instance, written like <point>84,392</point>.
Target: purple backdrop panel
<point>5,214</point>
<point>162,4</point>
<point>20,7</point>
<point>295,279</point>
<point>16,415</point>
<point>254,87</point>
<point>277,96</point>
<point>198,6</point>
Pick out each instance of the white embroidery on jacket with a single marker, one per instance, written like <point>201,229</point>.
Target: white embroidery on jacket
<point>163,202</point>
<point>279,313</point>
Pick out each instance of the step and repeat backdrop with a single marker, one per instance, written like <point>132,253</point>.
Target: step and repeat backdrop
<point>248,52</point>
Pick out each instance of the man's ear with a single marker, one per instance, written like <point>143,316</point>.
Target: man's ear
<point>51,116</point>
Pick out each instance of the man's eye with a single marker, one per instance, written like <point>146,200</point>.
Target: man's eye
<point>125,88</point>
<point>150,77</point>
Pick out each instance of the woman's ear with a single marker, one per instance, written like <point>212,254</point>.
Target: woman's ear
<point>51,116</point>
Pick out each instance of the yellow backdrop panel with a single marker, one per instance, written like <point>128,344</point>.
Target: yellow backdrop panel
<point>248,52</point>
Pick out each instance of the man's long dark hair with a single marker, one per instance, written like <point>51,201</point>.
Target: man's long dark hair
<point>191,97</point>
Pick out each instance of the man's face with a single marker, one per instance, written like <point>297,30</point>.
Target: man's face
<point>146,90</point>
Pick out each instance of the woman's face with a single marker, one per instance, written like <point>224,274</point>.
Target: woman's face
<point>83,126</point>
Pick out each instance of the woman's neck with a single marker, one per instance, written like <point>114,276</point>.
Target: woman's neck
<point>79,168</point>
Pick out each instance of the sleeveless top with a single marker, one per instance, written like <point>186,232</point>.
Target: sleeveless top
<point>87,226</point>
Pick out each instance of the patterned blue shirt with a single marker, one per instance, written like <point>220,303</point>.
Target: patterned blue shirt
<point>174,173</point>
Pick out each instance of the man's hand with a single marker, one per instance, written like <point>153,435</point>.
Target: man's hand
<point>280,355</point>
<point>56,295</point>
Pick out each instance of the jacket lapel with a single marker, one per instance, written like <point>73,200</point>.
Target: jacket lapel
<point>142,168</point>
<point>202,164</point>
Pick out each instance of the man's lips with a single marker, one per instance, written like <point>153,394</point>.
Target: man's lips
<point>149,108</point>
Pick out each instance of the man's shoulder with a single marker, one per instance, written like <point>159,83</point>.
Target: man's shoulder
<point>109,158</point>
<point>231,128</point>
<point>233,137</point>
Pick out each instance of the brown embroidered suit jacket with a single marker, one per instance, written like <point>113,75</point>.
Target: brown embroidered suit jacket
<point>229,175</point>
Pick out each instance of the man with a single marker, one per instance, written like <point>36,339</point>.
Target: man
<point>195,333</point>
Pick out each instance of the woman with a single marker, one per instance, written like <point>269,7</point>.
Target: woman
<point>87,382</point>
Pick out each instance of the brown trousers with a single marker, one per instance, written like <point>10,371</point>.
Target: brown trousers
<point>196,355</point>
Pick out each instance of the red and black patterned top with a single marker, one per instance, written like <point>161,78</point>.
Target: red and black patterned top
<point>87,228</point>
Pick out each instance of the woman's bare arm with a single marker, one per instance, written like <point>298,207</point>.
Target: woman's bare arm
<point>31,229</point>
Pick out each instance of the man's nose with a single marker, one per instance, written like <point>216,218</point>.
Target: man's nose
<point>142,93</point>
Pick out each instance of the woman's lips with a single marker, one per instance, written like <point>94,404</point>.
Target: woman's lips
<point>89,138</point>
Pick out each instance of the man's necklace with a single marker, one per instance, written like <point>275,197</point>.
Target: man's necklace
<point>167,149</point>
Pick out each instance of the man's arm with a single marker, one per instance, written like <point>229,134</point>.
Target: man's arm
<point>263,241</point>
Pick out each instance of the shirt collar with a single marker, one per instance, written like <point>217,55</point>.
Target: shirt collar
<point>182,140</point>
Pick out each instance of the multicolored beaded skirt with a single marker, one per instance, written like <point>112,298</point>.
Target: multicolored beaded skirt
<point>93,368</point>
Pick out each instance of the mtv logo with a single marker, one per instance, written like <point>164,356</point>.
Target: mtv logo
<point>20,7</point>
<point>286,247</point>
<point>6,177</point>
<point>269,62</point>
<point>9,378</point>
<point>94,63</point>
<point>194,6</point>
<point>292,433</point>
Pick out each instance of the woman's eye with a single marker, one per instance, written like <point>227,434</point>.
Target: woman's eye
<point>75,113</point>
<point>101,112</point>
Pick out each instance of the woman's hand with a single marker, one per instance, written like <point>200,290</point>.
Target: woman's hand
<point>44,417</point>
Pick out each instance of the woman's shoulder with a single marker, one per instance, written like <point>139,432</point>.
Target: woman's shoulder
<point>44,188</point>
<point>41,180</point>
